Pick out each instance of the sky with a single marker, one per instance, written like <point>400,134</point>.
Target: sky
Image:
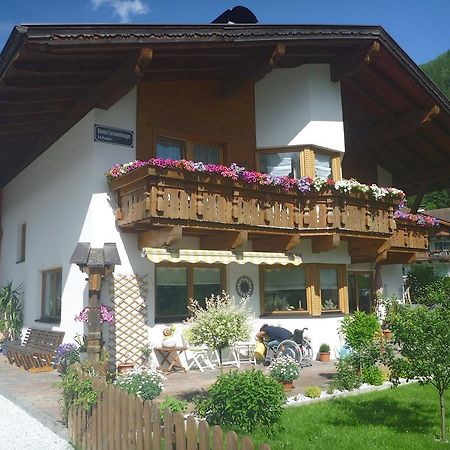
<point>421,28</point>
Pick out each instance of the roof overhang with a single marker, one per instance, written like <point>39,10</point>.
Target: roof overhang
<point>52,75</point>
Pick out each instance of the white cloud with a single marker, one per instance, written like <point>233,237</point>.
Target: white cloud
<point>123,8</point>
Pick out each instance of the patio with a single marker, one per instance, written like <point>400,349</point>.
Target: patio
<point>38,394</point>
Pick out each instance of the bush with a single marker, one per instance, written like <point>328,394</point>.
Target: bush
<point>372,375</point>
<point>174,404</point>
<point>346,378</point>
<point>243,402</point>
<point>360,329</point>
<point>418,278</point>
<point>142,382</point>
<point>284,369</point>
<point>312,392</point>
<point>75,392</point>
<point>330,389</point>
<point>324,348</point>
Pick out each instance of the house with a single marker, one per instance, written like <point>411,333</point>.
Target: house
<point>291,101</point>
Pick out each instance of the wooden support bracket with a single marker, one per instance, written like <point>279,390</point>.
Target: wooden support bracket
<point>325,243</point>
<point>226,240</point>
<point>160,237</point>
<point>276,243</point>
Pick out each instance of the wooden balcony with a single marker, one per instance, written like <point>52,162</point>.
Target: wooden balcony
<point>226,213</point>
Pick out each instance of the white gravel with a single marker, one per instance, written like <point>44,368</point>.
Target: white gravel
<point>20,431</point>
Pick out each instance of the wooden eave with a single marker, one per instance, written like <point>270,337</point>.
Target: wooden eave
<point>50,73</point>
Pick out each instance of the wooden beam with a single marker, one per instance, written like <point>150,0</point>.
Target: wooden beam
<point>325,243</point>
<point>419,196</point>
<point>228,240</point>
<point>254,70</point>
<point>350,64</point>
<point>394,128</point>
<point>50,106</point>
<point>368,250</point>
<point>276,243</point>
<point>160,237</point>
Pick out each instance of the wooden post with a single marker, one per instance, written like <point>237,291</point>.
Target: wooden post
<point>94,325</point>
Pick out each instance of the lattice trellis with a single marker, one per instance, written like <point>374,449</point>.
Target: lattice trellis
<point>129,333</point>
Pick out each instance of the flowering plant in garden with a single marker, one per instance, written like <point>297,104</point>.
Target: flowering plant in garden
<point>146,383</point>
<point>219,324</point>
<point>284,369</point>
<point>106,314</point>
<point>67,354</point>
<point>422,220</point>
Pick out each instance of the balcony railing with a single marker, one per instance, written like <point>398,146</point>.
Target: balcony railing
<point>150,197</point>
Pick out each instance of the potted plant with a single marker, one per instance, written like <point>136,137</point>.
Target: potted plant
<point>324,353</point>
<point>285,370</point>
<point>11,315</point>
<point>169,337</point>
<point>81,341</point>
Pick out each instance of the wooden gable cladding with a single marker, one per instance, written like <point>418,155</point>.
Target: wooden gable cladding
<point>192,110</point>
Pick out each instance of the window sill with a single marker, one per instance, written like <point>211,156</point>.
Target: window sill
<point>20,262</point>
<point>51,320</point>
<point>285,314</point>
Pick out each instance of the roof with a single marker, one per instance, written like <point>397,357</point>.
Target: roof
<point>52,75</point>
<point>442,213</point>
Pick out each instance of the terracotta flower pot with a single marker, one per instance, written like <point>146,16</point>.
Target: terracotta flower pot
<point>125,367</point>
<point>324,356</point>
<point>387,335</point>
<point>287,386</point>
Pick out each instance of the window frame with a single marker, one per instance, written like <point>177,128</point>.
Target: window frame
<point>47,318</point>
<point>307,159</point>
<point>21,243</point>
<point>188,141</point>
<point>190,282</point>
<point>262,299</point>
<point>372,290</point>
<point>342,288</point>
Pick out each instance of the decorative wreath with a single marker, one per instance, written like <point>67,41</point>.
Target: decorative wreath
<point>244,286</point>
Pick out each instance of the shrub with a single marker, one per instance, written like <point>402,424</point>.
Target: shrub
<point>142,382</point>
<point>372,375</point>
<point>360,329</point>
<point>312,392</point>
<point>284,369</point>
<point>243,401</point>
<point>75,392</point>
<point>346,378</point>
<point>220,324</point>
<point>11,313</point>
<point>324,348</point>
<point>174,404</point>
<point>330,389</point>
<point>418,278</point>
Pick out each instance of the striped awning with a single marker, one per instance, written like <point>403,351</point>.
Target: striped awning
<point>158,255</point>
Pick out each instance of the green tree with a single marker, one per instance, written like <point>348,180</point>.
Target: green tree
<point>11,316</point>
<point>424,337</point>
<point>220,324</point>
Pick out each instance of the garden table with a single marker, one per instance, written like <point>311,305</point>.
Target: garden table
<point>171,356</point>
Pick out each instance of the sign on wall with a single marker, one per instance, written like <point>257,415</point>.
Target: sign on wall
<point>115,136</point>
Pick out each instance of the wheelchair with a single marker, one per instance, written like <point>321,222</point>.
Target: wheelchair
<point>298,348</point>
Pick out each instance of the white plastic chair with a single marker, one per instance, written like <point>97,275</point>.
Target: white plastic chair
<point>244,352</point>
<point>199,356</point>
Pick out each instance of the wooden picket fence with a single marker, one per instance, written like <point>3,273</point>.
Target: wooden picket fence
<point>120,421</point>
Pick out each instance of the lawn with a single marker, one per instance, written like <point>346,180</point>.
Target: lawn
<point>402,418</point>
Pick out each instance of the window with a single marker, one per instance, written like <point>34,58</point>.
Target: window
<point>51,295</point>
<point>21,242</point>
<point>360,291</point>
<point>284,289</point>
<point>323,165</point>
<point>329,289</point>
<point>168,148</point>
<point>280,164</point>
<point>175,285</point>
<point>440,246</point>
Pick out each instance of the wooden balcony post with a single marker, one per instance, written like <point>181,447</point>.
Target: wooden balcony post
<point>368,217</point>
<point>199,201</point>
<point>160,203</point>
<point>235,206</point>
<point>343,212</point>
<point>306,213</point>
<point>94,325</point>
<point>330,211</point>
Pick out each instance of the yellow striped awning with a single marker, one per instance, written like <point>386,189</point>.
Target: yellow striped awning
<point>158,255</point>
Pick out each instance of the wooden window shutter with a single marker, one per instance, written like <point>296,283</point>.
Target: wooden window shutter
<point>307,163</point>
<point>336,168</point>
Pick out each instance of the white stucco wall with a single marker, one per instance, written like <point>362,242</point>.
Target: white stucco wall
<point>392,279</point>
<point>63,198</point>
<point>299,106</point>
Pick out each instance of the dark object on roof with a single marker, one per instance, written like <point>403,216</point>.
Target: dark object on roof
<point>85,256</point>
<point>239,14</point>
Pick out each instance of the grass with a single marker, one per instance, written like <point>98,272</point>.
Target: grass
<point>403,418</point>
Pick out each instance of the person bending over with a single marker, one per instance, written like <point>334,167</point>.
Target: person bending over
<point>274,335</point>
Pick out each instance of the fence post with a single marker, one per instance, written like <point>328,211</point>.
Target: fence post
<point>156,423</point>
<point>232,441</point>
<point>264,447</point>
<point>147,426</point>
<point>217,438</point>
<point>203,434</point>
<point>247,443</point>
<point>124,419</point>
<point>191,428</point>
<point>139,424</point>
<point>168,429</point>
<point>180,431</point>
<point>131,421</point>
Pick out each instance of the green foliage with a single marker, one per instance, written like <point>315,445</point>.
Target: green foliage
<point>330,389</point>
<point>360,329</point>
<point>243,401</point>
<point>346,378</point>
<point>220,324</point>
<point>372,375</point>
<point>11,314</point>
<point>75,392</point>
<point>284,369</point>
<point>174,404</point>
<point>418,278</point>
<point>424,336</point>
<point>324,348</point>
<point>142,382</point>
<point>439,71</point>
<point>312,392</point>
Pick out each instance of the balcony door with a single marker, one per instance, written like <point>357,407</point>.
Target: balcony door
<point>360,291</point>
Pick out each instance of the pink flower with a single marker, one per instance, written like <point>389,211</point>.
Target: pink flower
<point>106,314</point>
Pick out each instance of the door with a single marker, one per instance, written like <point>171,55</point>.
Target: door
<point>360,291</point>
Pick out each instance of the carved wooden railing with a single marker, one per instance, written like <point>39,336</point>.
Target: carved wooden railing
<point>409,236</point>
<point>174,197</point>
